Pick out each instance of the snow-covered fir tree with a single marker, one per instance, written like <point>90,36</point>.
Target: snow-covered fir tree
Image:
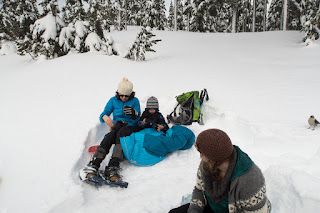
<point>310,19</point>
<point>294,11</point>
<point>245,16</point>
<point>8,19</point>
<point>66,38</point>
<point>198,21</point>
<point>160,14</point>
<point>81,33</point>
<point>170,21</point>
<point>275,15</point>
<point>149,14</point>
<point>121,11</point>
<point>73,11</point>
<point>44,37</point>
<point>26,13</point>
<point>187,13</point>
<point>137,10</point>
<point>141,45</point>
<point>180,22</point>
<point>154,16</point>
<point>260,13</point>
<point>50,6</point>
<point>95,16</point>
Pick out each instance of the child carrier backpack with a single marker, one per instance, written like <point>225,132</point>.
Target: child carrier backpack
<point>189,104</point>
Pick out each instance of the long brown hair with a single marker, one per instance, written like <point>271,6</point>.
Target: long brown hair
<point>212,166</point>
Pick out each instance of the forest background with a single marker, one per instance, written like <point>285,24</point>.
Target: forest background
<point>54,28</point>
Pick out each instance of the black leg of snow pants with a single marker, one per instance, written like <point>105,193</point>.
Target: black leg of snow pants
<point>184,209</point>
<point>113,137</point>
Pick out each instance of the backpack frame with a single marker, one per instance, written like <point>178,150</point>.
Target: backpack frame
<point>190,108</point>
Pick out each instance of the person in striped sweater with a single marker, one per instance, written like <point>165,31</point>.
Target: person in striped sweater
<point>227,179</point>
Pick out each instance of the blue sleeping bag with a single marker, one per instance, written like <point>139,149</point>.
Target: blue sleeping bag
<point>148,147</point>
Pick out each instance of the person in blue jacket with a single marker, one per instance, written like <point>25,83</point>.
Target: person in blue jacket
<point>125,108</point>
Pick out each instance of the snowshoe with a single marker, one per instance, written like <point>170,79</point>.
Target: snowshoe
<point>100,179</point>
<point>89,171</point>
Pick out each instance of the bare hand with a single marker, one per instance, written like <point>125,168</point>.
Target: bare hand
<point>108,120</point>
<point>160,127</point>
<point>144,121</point>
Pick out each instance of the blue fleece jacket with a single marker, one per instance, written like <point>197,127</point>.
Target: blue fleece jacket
<point>116,107</point>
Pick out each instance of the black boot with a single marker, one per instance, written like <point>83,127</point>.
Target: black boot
<point>112,173</point>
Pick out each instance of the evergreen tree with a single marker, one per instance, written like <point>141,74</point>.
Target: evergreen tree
<point>180,22</point>
<point>154,16</point>
<point>50,6</point>
<point>160,14</point>
<point>8,20</point>
<point>73,11</point>
<point>294,22</point>
<point>66,38</point>
<point>275,15</point>
<point>138,12</point>
<point>81,33</point>
<point>120,23</point>
<point>187,13</point>
<point>26,13</point>
<point>222,21</point>
<point>260,13</point>
<point>170,22</point>
<point>95,16</point>
<point>310,19</point>
<point>149,16</point>
<point>44,37</point>
<point>245,17</point>
<point>198,22</point>
<point>141,45</point>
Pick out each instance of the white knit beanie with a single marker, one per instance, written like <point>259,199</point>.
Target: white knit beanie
<point>125,87</point>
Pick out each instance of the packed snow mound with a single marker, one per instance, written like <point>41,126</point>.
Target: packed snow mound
<point>8,48</point>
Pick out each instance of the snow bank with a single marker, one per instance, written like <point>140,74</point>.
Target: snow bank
<point>50,109</point>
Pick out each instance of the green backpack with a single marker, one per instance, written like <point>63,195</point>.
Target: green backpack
<point>189,104</point>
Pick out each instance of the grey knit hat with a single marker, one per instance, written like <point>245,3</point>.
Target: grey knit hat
<point>125,87</point>
<point>152,103</point>
<point>214,144</point>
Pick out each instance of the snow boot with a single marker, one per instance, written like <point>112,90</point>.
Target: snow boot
<point>112,173</point>
<point>89,171</point>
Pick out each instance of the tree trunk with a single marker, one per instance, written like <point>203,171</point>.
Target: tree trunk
<point>175,14</point>
<point>188,27</point>
<point>126,14</point>
<point>234,19</point>
<point>119,15</point>
<point>244,21</point>
<point>254,16</point>
<point>265,16</point>
<point>285,14</point>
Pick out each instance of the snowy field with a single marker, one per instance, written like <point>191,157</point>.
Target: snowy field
<point>262,86</point>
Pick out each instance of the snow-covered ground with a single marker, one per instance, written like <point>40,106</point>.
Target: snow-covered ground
<point>263,87</point>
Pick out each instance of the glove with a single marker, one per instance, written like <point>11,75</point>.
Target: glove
<point>118,125</point>
<point>130,111</point>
